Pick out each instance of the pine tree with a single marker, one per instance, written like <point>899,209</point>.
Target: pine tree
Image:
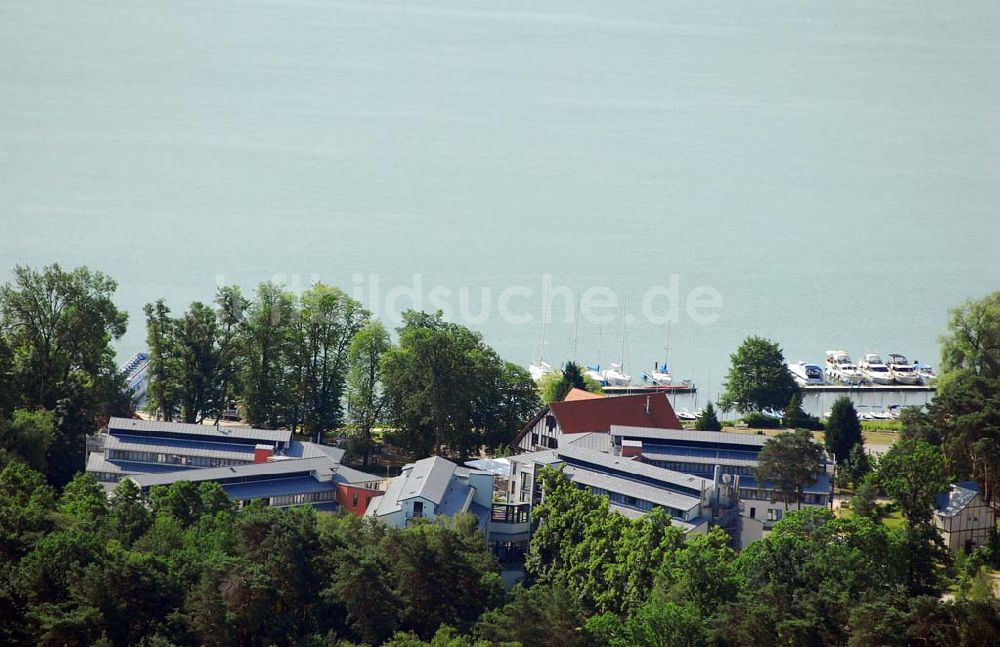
<point>708,420</point>
<point>843,429</point>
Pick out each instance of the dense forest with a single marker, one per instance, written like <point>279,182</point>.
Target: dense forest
<point>182,566</point>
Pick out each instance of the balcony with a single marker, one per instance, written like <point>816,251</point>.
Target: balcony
<point>509,519</point>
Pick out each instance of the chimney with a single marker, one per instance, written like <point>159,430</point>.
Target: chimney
<point>262,453</point>
<point>631,448</point>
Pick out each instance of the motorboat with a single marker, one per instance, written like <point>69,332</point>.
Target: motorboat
<point>686,414</point>
<point>925,372</point>
<point>615,376</point>
<point>874,369</point>
<point>903,372</point>
<point>807,374</point>
<point>840,367</point>
<point>660,375</point>
<point>539,369</point>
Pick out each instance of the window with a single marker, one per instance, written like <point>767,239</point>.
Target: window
<point>753,513</point>
<point>418,508</point>
<point>355,500</point>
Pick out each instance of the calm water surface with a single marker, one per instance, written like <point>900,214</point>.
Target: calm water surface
<point>832,169</point>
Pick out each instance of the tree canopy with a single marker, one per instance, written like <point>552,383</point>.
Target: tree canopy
<point>843,429</point>
<point>57,327</point>
<point>445,388</point>
<point>790,461</point>
<point>758,378</point>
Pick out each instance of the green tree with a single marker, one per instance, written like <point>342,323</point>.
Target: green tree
<point>197,343</point>
<point>608,560</point>
<point>843,429</point>
<point>795,417</point>
<point>365,399</point>
<point>59,326</point>
<point>965,415</point>
<point>329,321</point>
<point>789,462</point>
<point>28,435</point>
<point>231,313</point>
<point>446,388</point>
<point>865,501</point>
<point>912,472</point>
<point>443,573</point>
<point>972,343</point>
<point>266,342</point>
<point>540,615</point>
<point>162,392</point>
<point>758,378</point>
<point>708,420</point>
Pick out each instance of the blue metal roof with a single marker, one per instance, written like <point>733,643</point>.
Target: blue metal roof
<point>231,433</point>
<point>276,487</point>
<point>820,486</point>
<point>955,500</point>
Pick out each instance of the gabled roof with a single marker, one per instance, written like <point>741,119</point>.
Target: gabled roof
<point>628,468</point>
<point>428,479</point>
<point>598,414</point>
<point>950,503</point>
<point>579,394</point>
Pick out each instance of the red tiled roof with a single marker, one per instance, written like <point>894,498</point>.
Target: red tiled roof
<point>598,414</point>
<point>579,394</point>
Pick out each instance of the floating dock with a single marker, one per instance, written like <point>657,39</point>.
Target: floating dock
<point>637,389</point>
<point>868,388</point>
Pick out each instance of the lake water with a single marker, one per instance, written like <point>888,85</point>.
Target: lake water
<point>831,170</point>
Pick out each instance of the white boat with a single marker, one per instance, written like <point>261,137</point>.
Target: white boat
<point>806,374</point>
<point>594,373</point>
<point>615,376</point>
<point>840,367</point>
<point>539,369</point>
<point>903,372</point>
<point>686,414</point>
<point>925,372</point>
<point>874,369</point>
<point>660,375</point>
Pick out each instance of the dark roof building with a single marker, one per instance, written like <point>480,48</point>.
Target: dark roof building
<point>249,464</point>
<point>594,414</point>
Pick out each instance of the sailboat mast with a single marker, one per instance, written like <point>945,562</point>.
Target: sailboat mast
<point>541,343</point>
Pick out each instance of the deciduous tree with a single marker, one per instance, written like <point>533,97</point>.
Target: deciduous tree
<point>365,398</point>
<point>789,462</point>
<point>758,378</point>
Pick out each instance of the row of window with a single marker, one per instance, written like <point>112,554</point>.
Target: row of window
<point>767,495</point>
<point>636,503</point>
<point>172,459</point>
<point>301,499</point>
<point>546,441</point>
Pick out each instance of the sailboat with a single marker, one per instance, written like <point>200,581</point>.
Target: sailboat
<point>539,368</point>
<point>615,375</point>
<point>660,375</point>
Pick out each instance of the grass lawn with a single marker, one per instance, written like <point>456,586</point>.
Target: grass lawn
<point>893,520</point>
<point>871,437</point>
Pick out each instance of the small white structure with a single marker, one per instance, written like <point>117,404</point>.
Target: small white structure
<point>963,518</point>
<point>431,487</point>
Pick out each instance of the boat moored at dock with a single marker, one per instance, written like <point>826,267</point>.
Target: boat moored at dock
<point>903,372</point>
<point>875,370</point>
<point>806,374</point>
